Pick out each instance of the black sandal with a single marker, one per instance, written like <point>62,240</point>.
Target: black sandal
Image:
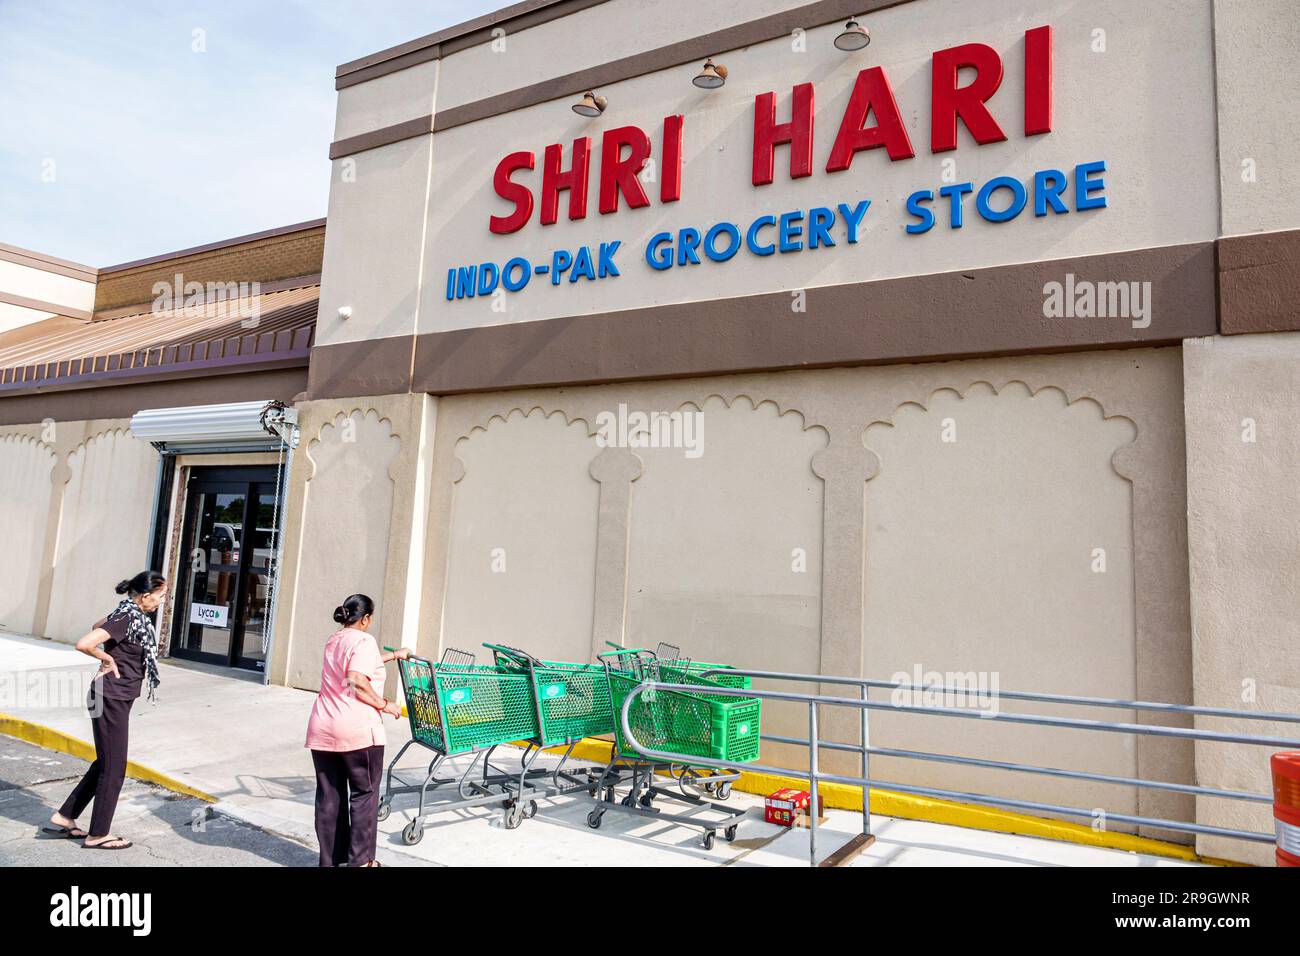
<point>69,833</point>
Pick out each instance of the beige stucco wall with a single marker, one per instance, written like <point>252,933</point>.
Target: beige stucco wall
<point>1000,545</point>
<point>1243,484</point>
<point>725,550</point>
<point>355,496</point>
<point>377,210</point>
<point>523,538</point>
<point>26,466</point>
<point>80,507</point>
<point>638,545</point>
<point>1256,87</point>
<point>104,528</point>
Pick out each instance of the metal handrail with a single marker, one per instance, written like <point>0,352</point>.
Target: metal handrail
<point>1029,768</point>
<point>1016,695</point>
<point>865,781</point>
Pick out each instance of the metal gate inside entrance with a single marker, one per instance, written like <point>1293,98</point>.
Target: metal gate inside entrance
<point>226,581</point>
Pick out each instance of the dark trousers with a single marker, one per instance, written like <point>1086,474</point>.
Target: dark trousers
<point>347,804</point>
<point>103,781</point>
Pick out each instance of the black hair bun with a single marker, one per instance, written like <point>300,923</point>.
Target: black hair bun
<point>340,615</point>
<point>123,586</point>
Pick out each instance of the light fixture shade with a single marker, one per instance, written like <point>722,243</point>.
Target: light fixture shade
<point>590,104</point>
<point>854,37</point>
<point>711,76</point>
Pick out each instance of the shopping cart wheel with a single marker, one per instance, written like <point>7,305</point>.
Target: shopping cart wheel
<point>413,833</point>
<point>730,833</point>
<point>628,801</point>
<point>513,816</point>
<point>647,799</point>
<point>709,837</point>
<point>385,808</point>
<point>593,819</point>
<point>532,809</point>
<point>724,791</point>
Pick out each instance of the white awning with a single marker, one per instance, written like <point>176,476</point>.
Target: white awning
<point>233,427</point>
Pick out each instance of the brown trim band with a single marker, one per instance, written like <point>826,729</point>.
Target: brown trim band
<point>1259,282</point>
<point>396,133</point>
<point>123,401</point>
<point>40,305</point>
<point>373,367</point>
<point>39,260</point>
<point>519,16</point>
<point>664,57</point>
<point>994,311</point>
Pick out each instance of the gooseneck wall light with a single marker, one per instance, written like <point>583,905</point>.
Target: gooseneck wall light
<point>854,37</point>
<point>590,104</point>
<point>711,76</point>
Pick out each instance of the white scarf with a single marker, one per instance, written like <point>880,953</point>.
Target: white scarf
<point>140,630</point>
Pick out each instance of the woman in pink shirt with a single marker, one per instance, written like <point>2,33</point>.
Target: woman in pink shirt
<point>346,736</point>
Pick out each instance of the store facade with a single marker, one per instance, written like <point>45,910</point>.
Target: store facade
<point>133,433</point>
<point>908,360</point>
<point>972,352</point>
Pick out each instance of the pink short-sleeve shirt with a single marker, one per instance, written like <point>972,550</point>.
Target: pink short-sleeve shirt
<point>339,721</point>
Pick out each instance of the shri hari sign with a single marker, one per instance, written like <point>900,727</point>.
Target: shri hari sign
<point>626,150</point>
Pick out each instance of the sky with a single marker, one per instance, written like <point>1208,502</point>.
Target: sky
<point>132,128</point>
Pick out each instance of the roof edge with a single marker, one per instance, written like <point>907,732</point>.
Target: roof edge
<point>39,260</point>
<point>498,18</point>
<point>212,246</point>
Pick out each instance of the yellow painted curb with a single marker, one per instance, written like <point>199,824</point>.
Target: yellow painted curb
<point>933,810</point>
<point>51,739</point>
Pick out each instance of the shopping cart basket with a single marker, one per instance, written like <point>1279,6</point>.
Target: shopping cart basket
<point>670,659</point>
<point>460,707</point>
<point>572,700</point>
<point>689,723</point>
<point>694,723</point>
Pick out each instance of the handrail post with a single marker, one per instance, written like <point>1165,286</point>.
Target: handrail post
<point>866,777</point>
<point>812,782</point>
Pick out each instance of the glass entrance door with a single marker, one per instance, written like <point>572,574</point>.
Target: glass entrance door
<point>226,577</point>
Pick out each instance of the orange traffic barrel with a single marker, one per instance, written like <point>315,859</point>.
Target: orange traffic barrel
<point>1286,806</point>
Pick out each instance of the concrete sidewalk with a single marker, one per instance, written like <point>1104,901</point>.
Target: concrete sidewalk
<point>242,743</point>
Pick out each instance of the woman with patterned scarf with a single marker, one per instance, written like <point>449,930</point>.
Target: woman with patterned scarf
<point>126,646</point>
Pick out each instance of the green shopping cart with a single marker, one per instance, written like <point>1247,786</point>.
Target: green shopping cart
<point>458,707</point>
<point>694,723</point>
<point>571,700</point>
<point>671,660</point>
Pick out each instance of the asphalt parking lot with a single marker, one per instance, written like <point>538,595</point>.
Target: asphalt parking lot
<point>168,829</point>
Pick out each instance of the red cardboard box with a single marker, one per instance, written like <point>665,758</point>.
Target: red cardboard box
<point>789,808</point>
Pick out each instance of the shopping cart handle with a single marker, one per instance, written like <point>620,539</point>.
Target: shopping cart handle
<point>513,653</point>
<point>626,652</point>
